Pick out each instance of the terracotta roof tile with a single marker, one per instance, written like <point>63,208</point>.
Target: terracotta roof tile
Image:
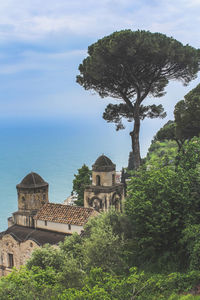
<point>67,214</point>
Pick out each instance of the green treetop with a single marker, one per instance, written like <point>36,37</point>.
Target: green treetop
<point>131,65</point>
<point>187,115</point>
<point>79,183</point>
<point>169,132</point>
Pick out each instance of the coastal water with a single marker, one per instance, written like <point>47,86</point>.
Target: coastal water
<point>55,150</point>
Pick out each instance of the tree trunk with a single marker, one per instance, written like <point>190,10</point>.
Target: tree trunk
<point>135,141</point>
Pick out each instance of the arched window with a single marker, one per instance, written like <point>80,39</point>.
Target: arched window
<point>23,203</point>
<point>98,180</point>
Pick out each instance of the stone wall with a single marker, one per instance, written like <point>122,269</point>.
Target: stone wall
<point>103,198</point>
<point>32,199</point>
<point>23,219</point>
<point>106,178</point>
<point>20,252</point>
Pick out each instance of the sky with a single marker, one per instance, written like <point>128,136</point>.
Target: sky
<point>42,43</point>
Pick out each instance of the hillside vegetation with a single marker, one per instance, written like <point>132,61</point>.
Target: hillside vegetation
<point>150,251</point>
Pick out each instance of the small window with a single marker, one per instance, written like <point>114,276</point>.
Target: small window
<point>45,223</point>
<point>44,196</point>
<point>31,244</point>
<point>69,226</point>
<point>98,180</point>
<point>10,260</point>
<point>113,179</point>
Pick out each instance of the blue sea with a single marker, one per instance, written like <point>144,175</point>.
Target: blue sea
<point>55,150</point>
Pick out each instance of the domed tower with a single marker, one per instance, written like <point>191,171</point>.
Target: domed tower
<point>103,172</point>
<point>32,195</point>
<point>104,191</point>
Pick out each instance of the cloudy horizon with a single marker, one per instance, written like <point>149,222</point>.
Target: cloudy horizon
<point>42,44</point>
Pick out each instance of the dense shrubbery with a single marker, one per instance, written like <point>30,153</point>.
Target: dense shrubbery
<point>161,203</point>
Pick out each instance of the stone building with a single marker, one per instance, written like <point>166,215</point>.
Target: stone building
<point>18,242</point>
<point>104,192</point>
<point>37,222</point>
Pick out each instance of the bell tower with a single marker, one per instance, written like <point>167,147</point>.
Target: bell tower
<point>32,195</point>
<point>104,191</point>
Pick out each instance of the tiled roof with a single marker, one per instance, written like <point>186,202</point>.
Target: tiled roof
<point>67,214</point>
<point>41,237</point>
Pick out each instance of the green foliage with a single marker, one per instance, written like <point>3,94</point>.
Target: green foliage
<point>184,297</point>
<point>187,115</point>
<point>169,132</point>
<point>72,247</point>
<point>161,154</point>
<point>185,127</point>
<point>45,257</point>
<point>71,275</point>
<point>103,248</point>
<point>41,284</point>
<point>80,181</point>
<point>190,156</point>
<point>116,112</point>
<point>160,204</point>
<point>191,240</point>
<point>29,284</point>
<point>118,62</point>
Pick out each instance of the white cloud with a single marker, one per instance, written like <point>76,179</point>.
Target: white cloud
<point>32,20</point>
<point>51,20</point>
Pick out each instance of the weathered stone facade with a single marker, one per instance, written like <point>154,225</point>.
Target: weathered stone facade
<point>21,238</point>
<point>32,195</point>
<point>104,192</point>
<point>37,222</point>
<point>14,253</point>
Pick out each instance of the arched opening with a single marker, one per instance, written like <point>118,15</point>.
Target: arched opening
<point>98,180</point>
<point>23,202</point>
<point>116,201</point>
<point>96,203</point>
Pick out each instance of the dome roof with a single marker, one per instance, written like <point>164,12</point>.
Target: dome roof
<point>103,164</point>
<point>32,180</point>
